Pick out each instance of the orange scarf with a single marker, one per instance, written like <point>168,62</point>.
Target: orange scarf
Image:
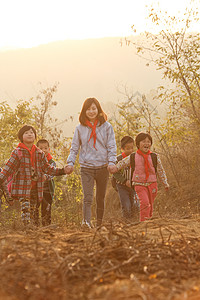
<point>123,155</point>
<point>32,152</point>
<point>146,162</point>
<point>49,157</point>
<point>93,133</point>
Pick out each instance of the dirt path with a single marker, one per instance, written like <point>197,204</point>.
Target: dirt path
<point>158,259</point>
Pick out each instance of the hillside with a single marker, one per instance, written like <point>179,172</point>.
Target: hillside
<point>153,260</point>
<point>83,68</point>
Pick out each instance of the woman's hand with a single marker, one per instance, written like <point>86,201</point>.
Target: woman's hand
<point>112,169</point>
<point>68,169</point>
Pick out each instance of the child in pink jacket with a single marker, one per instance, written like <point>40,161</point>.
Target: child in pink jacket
<point>144,179</point>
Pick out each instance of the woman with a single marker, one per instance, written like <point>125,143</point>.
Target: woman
<point>95,139</point>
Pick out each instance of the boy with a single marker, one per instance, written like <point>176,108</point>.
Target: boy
<point>48,187</point>
<point>127,195</point>
<point>28,165</point>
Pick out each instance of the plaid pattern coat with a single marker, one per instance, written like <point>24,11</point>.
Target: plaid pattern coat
<point>19,165</point>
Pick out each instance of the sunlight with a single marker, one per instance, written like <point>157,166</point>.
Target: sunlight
<point>30,23</point>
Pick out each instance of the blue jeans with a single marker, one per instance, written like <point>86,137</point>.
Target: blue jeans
<point>129,202</point>
<point>88,177</point>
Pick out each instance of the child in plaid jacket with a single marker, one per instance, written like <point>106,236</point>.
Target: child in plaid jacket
<point>28,171</point>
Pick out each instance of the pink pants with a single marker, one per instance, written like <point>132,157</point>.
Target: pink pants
<point>147,195</point>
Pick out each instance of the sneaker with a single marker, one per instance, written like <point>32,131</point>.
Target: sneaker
<point>86,224</point>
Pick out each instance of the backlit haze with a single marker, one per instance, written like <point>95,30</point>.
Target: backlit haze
<point>30,23</point>
<point>76,43</point>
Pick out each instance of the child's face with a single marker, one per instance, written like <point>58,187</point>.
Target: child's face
<point>28,137</point>
<point>145,145</point>
<point>44,147</point>
<point>92,112</point>
<point>128,148</point>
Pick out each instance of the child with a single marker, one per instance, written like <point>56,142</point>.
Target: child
<point>4,192</point>
<point>95,138</point>
<point>144,174</point>
<point>48,187</point>
<point>128,199</point>
<point>28,165</point>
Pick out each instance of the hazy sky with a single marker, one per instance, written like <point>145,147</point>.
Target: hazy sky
<point>28,23</point>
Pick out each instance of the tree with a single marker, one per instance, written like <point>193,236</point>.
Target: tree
<point>10,122</point>
<point>177,53</point>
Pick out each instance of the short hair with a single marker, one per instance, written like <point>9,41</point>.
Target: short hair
<point>142,136</point>
<point>24,129</point>
<point>126,140</point>
<point>102,117</point>
<point>42,141</point>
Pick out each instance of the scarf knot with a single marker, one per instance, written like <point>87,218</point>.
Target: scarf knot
<point>49,157</point>
<point>93,133</point>
<point>146,161</point>
<point>31,152</point>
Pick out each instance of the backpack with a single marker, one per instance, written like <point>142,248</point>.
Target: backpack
<point>132,164</point>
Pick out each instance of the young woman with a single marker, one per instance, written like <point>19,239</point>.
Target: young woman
<point>95,139</point>
<point>147,166</point>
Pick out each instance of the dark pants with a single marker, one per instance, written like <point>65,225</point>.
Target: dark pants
<point>129,202</point>
<point>88,178</point>
<point>46,209</point>
<point>30,209</point>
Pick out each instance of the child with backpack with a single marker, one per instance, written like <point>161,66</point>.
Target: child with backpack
<point>122,181</point>
<point>145,166</point>
<point>49,185</point>
<point>28,165</point>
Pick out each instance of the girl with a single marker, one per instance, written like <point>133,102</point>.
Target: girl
<point>28,165</point>
<point>144,174</point>
<point>95,138</point>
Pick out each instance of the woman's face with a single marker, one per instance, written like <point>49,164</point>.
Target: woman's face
<point>92,112</point>
<point>145,145</point>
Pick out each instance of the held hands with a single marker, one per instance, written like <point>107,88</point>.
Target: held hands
<point>68,169</point>
<point>128,183</point>
<point>11,201</point>
<point>167,188</point>
<point>112,169</point>
<point>44,177</point>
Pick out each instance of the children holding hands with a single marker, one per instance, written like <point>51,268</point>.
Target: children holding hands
<point>28,165</point>
<point>144,177</point>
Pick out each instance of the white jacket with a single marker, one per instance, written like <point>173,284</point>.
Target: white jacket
<point>89,157</point>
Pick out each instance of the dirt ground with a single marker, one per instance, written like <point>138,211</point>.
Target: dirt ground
<point>156,259</point>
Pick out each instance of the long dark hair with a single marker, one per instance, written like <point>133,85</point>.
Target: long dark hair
<point>102,117</point>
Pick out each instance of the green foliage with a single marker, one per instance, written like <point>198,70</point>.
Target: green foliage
<point>39,113</point>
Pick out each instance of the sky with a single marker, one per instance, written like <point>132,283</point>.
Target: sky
<point>28,23</point>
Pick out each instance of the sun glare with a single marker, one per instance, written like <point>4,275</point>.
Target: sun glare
<point>30,23</point>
